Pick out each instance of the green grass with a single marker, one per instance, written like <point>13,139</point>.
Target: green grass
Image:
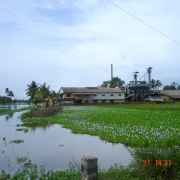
<point>115,172</point>
<point>4,110</point>
<point>9,111</point>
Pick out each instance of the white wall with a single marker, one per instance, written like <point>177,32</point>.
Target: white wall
<point>107,96</point>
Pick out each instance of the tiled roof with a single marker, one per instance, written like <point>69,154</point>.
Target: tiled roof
<point>171,93</point>
<point>90,90</point>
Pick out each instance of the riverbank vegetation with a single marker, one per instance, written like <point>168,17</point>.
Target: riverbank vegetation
<point>115,172</point>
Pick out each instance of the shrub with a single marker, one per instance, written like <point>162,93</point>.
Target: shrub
<point>42,112</point>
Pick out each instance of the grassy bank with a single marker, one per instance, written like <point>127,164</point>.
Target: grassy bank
<point>115,172</point>
<point>9,111</point>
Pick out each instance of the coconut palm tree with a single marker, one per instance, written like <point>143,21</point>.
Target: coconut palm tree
<point>153,84</point>
<point>32,89</point>
<point>7,91</point>
<point>44,90</point>
<point>158,84</point>
<point>11,94</point>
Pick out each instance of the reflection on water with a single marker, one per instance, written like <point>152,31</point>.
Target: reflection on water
<point>54,146</point>
<point>44,128</point>
<point>8,116</point>
<point>14,106</point>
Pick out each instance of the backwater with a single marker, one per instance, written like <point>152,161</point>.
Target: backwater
<point>53,146</point>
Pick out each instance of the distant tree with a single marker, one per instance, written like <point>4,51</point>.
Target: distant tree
<point>38,97</point>
<point>14,101</point>
<point>4,99</point>
<point>44,90</point>
<point>105,84</point>
<point>115,82</point>
<point>9,92</point>
<point>167,87</point>
<point>158,84</point>
<point>178,87</point>
<point>42,93</point>
<point>52,94</point>
<point>174,84</point>
<point>153,84</point>
<point>32,89</point>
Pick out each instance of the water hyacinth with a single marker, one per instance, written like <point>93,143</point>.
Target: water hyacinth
<point>129,124</point>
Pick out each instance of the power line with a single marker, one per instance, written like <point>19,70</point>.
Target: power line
<point>143,22</point>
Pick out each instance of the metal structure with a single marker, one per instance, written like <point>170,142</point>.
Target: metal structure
<point>139,90</point>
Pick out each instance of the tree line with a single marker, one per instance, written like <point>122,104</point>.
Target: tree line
<point>155,84</point>
<point>8,98</point>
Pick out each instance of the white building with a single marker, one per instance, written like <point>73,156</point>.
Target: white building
<point>91,95</point>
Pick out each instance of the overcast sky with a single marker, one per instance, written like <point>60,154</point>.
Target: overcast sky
<point>69,43</point>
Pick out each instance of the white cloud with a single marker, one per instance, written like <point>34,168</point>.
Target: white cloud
<point>67,43</point>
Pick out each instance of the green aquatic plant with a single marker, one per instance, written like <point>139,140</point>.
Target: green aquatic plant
<point>22,129</point>
<point>21,159</point>
<point>17,141</point>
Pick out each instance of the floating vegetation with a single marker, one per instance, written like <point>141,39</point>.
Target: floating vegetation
<point>17,141</point>
<point>155,125</point>
<point>29,164</point>
<point>141,125</point>
<point>22,129</point>
<point>21,159</point>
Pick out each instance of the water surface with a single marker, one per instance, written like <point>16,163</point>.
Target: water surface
<point>54,146</point>
<point>14,106</point>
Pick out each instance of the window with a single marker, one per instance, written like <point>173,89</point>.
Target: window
<point>77,95</point>
<point>111,101</point>
<point>103,101</point>
<point>112,95</point>
<point>68,95</point>
<point>119,94</point>
<point>103,94</point>
<point>94,101</point>
<point>86,101</point>
<point>95,94</point>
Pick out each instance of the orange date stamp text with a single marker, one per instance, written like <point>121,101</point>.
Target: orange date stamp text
<point>158,162</point>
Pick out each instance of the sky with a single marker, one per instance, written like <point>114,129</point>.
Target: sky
<point>67,43</point>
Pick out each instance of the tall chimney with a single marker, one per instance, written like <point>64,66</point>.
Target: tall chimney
<point>111,72</point>
<point>149,77</point>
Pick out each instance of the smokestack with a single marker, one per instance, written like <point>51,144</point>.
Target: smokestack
<point>111,72</point>
<point>149,77</point>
